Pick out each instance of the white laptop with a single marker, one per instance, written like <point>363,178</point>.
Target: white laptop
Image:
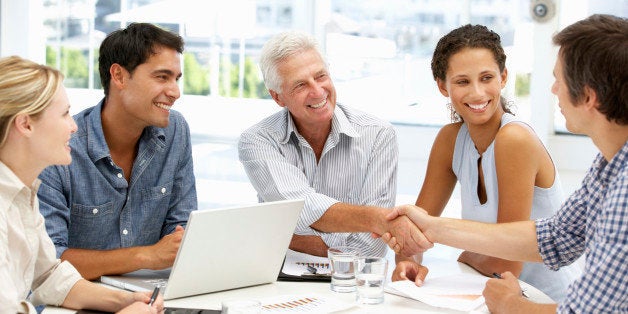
<point>223,249</point>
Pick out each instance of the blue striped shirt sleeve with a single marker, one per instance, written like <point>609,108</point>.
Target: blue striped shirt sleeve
<point>358,166</point>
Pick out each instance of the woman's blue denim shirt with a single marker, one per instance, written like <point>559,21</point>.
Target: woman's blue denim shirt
<point>90,205</point>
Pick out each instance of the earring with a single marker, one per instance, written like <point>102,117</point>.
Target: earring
<point>454,116</point>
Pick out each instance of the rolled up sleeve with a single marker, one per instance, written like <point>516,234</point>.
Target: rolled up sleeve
<point>275,178</point>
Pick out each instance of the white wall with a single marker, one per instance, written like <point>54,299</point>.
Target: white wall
<point>21,30</point>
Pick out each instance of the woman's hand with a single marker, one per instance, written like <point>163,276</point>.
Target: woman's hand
<point>408,270</point>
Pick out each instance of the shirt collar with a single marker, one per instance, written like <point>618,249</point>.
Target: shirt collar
<point>340,124</point>
<point>12,186</point>
<point>609,170</point>
<point>97,147</point>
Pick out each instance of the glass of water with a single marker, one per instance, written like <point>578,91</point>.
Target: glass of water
<point>370,273</point>
<point>341,260</point>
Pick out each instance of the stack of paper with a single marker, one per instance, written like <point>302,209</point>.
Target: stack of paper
<point>462,292</point>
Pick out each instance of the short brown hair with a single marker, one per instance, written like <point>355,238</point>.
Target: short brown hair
<point>594,53</point>
<point>132,46</point>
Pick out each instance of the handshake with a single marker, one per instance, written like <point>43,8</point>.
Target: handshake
<point>409,230</point>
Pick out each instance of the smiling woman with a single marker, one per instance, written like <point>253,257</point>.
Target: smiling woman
<point>35,130</point>
<point>35,109</point>
<point>482,151</point>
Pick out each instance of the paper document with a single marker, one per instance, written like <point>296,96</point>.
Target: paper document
<point>462,292</point>
<point>311,303</point>
<point>297,263</point>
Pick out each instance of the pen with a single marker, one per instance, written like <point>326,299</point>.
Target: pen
<point>311,269</point>
<point>498,276</point>
<point>153,297</point>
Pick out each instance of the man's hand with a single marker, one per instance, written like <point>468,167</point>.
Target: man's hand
<point>162,254</point>
<point>409,239</point>
<point>503,295</point>
<point>409,270</point>
<point>405,236</point>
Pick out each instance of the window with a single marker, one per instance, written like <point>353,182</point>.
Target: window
<point>385,48</point>
<point>379,54</point>
<point>379,46</point>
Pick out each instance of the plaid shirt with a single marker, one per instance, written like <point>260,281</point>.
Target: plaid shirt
<point>593,221</point>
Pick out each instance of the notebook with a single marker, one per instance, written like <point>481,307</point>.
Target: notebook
<point>223,249</point>
<point>299,266</point>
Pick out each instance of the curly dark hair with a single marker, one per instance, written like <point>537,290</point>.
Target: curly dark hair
<point>467,36</point>
<point>132,46</point>
<point>594,53</point>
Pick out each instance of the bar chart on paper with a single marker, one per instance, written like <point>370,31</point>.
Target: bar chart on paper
<point>303,304</point>
<point>297,263</point>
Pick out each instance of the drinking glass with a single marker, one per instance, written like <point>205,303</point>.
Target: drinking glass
<point>341,260</point>
<point>370,274</point>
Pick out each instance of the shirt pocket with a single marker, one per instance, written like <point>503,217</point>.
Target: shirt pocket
<point>154,204</point>
<point>92,212</point>
<point>157,192</point>
<point>91,225</point>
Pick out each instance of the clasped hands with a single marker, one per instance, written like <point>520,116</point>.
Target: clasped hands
<point>420,238</point>
<point>406,233</point>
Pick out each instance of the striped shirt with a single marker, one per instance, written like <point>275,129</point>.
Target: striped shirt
<point>358,166</point>
<point>594,222</point>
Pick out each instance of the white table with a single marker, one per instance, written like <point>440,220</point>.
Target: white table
<point>441,263</point>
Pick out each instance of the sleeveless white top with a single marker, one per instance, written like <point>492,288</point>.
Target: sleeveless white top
<point>545,202</point>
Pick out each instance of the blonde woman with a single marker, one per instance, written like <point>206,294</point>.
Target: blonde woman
<point>35,129</point>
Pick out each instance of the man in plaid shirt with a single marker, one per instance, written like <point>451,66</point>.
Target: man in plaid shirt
<point>591,85</point>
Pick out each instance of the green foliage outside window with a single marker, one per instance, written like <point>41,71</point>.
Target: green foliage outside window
<point>522,85</point>
<point>196,77</point>
<point>253,86</point>
<point>73,63</point>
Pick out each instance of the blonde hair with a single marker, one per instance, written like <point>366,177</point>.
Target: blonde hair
<point>25,88</point>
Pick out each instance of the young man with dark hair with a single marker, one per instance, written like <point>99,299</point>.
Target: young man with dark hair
<point>122,203</point>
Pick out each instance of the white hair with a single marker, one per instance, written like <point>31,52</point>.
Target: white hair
<point>279,47</point>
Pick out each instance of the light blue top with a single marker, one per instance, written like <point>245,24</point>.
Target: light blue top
<point>545,203</point>
<point>89,203</point>
<point>358,166</point>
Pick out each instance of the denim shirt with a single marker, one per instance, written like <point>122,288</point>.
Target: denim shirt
<point>90,205</point>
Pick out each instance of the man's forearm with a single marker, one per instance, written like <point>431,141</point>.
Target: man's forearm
<point>531,307</point>
<point>519,305</point>
<point>343,217</point>
<point>513,241</point>
<point>309,244</point>
<point>92,264</point>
